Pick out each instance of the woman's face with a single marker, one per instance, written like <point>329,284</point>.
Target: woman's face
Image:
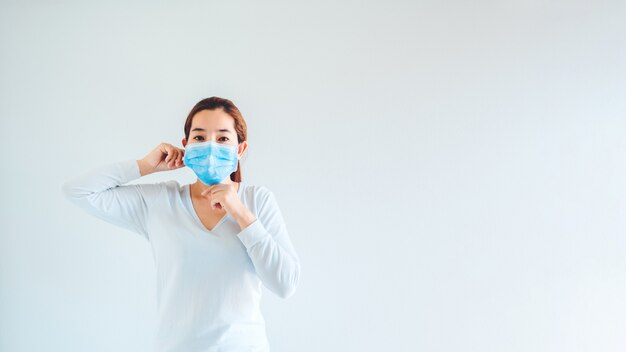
<point>214,125</point>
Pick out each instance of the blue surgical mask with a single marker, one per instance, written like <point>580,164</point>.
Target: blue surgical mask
<point>212,162</point>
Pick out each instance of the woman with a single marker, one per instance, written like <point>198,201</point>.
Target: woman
<point>214,242</point>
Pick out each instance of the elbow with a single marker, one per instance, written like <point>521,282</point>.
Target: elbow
<point>286,292</point>
<point>289,288</point>
<point>71,192</point>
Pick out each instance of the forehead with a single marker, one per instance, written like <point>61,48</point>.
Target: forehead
<point>212,120</point>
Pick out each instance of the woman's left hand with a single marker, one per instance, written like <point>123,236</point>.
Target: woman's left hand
<point>223,196</point>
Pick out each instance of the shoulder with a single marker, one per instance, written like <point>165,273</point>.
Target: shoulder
<point>256,192</point>
<point>259,197</point>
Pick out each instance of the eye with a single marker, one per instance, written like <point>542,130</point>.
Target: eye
<point>224,137</point>
<point>198,137</point>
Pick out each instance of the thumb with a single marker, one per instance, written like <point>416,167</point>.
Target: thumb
<point>206,191</point>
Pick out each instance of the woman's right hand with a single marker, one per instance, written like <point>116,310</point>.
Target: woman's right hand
<point>164,157</point>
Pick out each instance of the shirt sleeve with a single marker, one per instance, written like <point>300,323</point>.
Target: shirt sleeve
<point>270,249</point>
<point>101,193</point>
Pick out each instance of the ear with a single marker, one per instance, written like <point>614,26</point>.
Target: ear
<point>184,141</point>
<point>242,148</point>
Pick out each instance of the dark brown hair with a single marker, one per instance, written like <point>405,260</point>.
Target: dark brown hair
<point>241,128</point>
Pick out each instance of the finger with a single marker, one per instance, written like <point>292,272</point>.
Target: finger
<point>163,148</point>
<point>208,191</point>
<point>174,160</point>
<point>180,157</point>
<point>169,158</point>
<point>168,152</point>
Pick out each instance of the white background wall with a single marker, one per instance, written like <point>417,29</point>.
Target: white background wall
<point>452,173</point>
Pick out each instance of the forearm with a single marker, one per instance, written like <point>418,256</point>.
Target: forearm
<point>268,245</point>
<point>277,265</point>
<point>102,193</point>
<point>243,216</point>
<point>100,179</point>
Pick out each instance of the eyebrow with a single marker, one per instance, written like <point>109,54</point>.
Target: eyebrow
<point>203,130</point>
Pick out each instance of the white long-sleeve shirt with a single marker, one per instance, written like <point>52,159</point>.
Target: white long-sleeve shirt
<point>208,282</point>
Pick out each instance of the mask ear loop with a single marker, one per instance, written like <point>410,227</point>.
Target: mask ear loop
<point>244,155</point>
<point>238,145</point>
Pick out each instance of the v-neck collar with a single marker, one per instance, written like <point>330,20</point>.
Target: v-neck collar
<point>194,214</point>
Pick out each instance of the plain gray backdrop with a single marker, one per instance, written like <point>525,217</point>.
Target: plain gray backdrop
<point>451,173</point>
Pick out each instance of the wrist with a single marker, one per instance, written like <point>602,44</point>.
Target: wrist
<point>143,168</point>
<point>244,217</point>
